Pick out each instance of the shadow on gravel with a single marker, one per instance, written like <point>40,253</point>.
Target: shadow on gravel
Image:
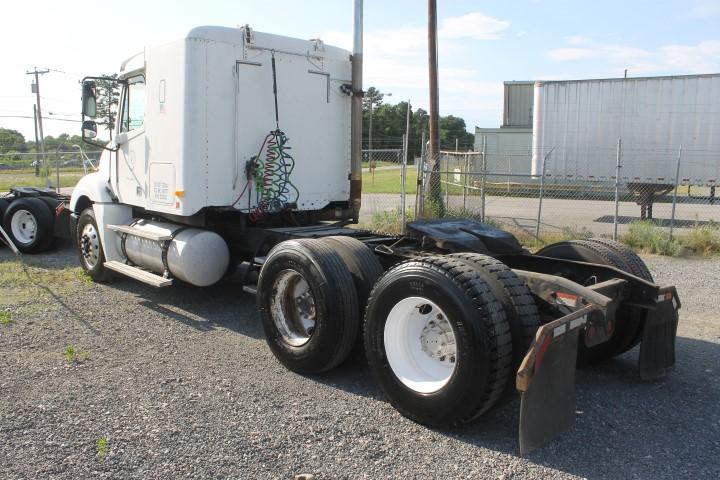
<point>625,428</point>
<point>223,305</point>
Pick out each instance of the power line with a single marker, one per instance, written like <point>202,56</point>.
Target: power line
<point>44,118</point>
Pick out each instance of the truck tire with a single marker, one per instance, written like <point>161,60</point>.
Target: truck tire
<point>437,341</point>
<point>632,259</point>
<point>308,305</point>
<point>515,297</point>
<point>365,269</point>
<point>30,224</point>
<point>637,268</point>
<point>627,323</point>
<point>90,249</point>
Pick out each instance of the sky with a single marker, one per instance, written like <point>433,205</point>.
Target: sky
<point>481,44</point>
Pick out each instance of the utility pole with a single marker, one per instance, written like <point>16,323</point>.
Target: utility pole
<point>434,151</point>
<point>38,113</point>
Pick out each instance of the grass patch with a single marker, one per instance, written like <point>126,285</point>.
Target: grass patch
<point>5,318</point>
<point>26,283</point>
<point>27,178</point>
<point>102,446</point>
<point>388,181</point>
<point>388,221</point>
<point>72,355</point>
<point>646,236</point>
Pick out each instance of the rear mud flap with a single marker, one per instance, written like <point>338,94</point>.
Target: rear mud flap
<point>657,350</point>
<point>547,408</point>
<point>546,381</point>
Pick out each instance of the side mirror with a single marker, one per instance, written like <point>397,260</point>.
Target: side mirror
<point>89,101</point>
<point>89,129</point>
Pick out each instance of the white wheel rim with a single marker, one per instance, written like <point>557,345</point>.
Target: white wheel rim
<point>292,307</point>
<point>89,246</point>
<point>420,344</point>
<point>23,226</point>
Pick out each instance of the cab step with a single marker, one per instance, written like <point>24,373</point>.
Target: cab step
<point>138,274</point>
<point>136,232</point>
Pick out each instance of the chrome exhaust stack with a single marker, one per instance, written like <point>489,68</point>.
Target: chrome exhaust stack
<point>356,112</point>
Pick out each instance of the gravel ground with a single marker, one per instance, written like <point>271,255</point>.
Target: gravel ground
<point>180,384</point>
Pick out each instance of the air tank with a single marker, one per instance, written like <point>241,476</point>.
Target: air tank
<point>198,257</point>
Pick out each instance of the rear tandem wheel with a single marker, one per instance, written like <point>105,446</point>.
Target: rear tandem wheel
<point>437,341</point>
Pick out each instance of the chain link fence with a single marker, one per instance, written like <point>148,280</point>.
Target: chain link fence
<point>389,190</point>
<point>58,168</point>
<point>548,194</point>
<point>551,194</point>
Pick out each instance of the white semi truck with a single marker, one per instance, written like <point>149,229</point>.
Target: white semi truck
<point>239,147</point>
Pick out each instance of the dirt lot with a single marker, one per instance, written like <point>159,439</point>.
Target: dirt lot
<point>178,383</point>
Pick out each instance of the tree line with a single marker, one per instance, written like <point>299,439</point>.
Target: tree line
<point>389,123</point>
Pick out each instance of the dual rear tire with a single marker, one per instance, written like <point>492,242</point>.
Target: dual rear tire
<point>311,296</point>
<point>439,332</point>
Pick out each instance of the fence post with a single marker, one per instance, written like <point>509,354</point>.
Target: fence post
<point>465,183</point>
<point>617,187</point>
<point>447,180</point>
<point>420,187</point>
<point>403,187</point>
<point>677,182</point>
<point>482,180</point>
<point>542,189</point>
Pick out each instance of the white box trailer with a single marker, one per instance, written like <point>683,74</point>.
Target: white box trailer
<point>507,150</point>
<point>580,121</point>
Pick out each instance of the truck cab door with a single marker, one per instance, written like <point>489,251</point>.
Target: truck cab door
<point>130,176</point>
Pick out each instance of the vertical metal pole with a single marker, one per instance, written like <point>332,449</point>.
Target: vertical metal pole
<point>677,182</point>
<point>617,187</point>
<point>447,181</point>
<point>57,168</point>
<point>420,187</point>
<point>403,180</point>
<point>370,152</point>
<point>542,190</point>
<point>37,143</point>
<point>456,144</point>
<point>465,183</point>
<point>356,111</point>
<point>482,181</point>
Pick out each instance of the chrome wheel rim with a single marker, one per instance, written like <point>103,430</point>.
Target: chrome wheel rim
<point>89,246</point>
<point>420,344</point>
<point>292,306</point>
<point>24,226</point>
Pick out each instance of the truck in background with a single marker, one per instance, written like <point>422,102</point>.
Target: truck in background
<point>580,121</point>
<point>240,148</point>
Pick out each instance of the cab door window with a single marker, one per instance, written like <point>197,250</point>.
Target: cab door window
<point>133,116</point>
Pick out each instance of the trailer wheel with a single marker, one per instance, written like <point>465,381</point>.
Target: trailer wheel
<point>308,305</point>
<point>30,224</point>
<point>365,269</point>
<point>437,341</point>
<point>515,297</point>
<point>627,321</point>
<point>90,249</point>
